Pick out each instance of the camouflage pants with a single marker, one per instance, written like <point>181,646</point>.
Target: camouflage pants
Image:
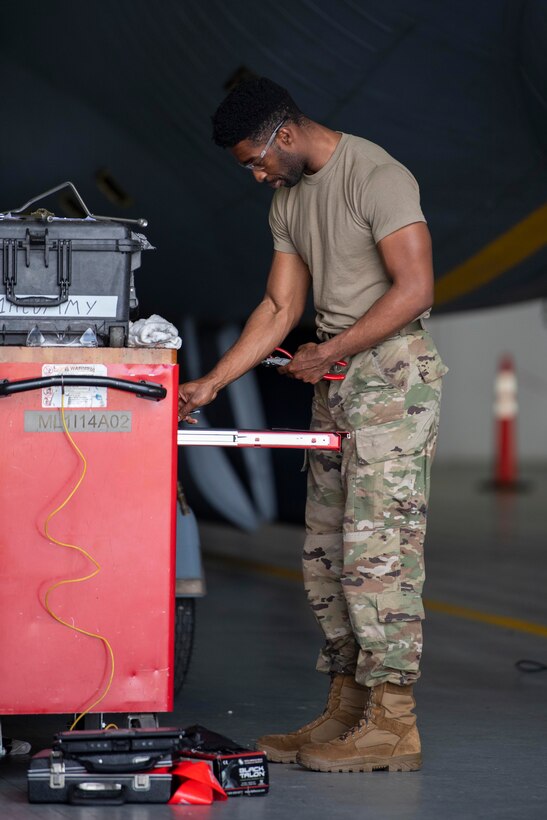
<point>366,509</point>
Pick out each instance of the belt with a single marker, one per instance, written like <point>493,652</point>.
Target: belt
<point>412,327</point>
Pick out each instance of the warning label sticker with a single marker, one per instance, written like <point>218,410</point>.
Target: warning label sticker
<point>74,396</point>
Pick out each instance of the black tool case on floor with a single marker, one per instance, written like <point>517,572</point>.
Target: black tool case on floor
<point>63,276</point>
<point>108,745</point>
<point>53,778</point>
<point>238,769</point>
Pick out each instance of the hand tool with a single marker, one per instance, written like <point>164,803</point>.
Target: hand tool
<point>281,361</point>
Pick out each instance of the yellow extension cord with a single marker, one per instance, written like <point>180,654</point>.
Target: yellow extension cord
<point>76,580</point>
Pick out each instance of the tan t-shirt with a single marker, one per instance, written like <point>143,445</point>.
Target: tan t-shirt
<point>334,218</point>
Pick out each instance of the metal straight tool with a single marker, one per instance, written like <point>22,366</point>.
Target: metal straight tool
<point>301,439</point>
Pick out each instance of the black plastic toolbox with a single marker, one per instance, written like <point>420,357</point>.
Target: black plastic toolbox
<point>63,276</point>
<point>52,778</point>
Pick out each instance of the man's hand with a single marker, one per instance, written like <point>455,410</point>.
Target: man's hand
<point>195,394</point>
<point>310,363</point>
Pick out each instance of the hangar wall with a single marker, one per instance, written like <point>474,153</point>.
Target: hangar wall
<point>472,345</point>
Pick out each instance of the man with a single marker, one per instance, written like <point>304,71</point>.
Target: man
<point>346,220</point>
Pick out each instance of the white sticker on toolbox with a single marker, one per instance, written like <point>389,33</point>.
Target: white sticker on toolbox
<point>74,396</point>
<point>75,306</point>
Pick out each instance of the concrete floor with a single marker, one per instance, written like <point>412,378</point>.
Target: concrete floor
<point>483,723</point>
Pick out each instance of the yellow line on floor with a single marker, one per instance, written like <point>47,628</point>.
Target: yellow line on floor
<point>256,566</point>
<point>503,253</point>
<point>464,612</point>
<point>485,617</point>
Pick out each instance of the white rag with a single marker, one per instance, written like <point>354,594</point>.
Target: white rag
<point>153,332</point>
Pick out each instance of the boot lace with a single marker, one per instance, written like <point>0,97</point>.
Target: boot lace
<point>354,729</point>
<point>362,723</point>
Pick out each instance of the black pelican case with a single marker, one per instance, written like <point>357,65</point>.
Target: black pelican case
<point>63,276</point>
<point>54,778</point>
<point>106,767</point>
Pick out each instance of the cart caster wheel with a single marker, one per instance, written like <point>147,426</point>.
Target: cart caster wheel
<point>185,616</point>
<point>145,720</point>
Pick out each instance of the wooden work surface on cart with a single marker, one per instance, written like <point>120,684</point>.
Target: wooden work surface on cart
<point>93,355</point>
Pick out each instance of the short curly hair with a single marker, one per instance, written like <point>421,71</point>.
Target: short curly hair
<point>251,111</point>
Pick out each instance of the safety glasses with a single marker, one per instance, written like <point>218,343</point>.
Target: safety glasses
<point>257,163</point>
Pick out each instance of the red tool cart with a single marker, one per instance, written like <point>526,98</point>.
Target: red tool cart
<point>88,439</point>
<point>120,409</point>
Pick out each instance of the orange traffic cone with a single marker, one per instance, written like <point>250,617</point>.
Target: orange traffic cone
<point>505,414</point>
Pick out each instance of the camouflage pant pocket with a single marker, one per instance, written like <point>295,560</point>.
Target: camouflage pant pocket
<point>401,615</point>
<point>406,436</point>
<point>390,473</point>
<point>394,607</point>
<point>369,633</point>
<point>388,628</point>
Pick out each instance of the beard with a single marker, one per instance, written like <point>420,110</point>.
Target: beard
<point>292,168</point>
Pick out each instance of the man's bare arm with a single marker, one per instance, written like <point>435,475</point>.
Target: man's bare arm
<point>276,315</point>
<point>406,255</point>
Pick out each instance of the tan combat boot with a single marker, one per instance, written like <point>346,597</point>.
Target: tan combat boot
<point>385,739</point>
<point>346,702</point>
